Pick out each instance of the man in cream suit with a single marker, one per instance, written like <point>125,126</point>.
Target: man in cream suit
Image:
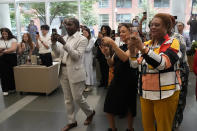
<point>72,72</point>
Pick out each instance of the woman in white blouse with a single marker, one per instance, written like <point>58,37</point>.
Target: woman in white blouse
<point>8,59</point>
<point>44,46</point>
<point>88,60</point>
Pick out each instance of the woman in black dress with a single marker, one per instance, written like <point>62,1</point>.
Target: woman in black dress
<point>121,96</point>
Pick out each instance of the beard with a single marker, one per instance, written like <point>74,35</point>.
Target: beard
<point>71,32</point>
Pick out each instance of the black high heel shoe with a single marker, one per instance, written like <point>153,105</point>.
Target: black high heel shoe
<point>109,129</point>
<point>129,129</point>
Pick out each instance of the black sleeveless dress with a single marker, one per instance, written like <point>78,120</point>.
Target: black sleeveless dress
<point>122,92</point>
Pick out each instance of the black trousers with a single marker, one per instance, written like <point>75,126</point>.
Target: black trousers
<point>182,97</point>
<point>46,59</point>
<point>7,62</point>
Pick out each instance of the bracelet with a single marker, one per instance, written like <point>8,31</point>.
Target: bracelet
<point>107,57</point>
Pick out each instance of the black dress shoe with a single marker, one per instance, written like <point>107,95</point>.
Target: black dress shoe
<point>110,129</point>
<point>89,118</point>
<point>69,126</point>
<point>101,85</point>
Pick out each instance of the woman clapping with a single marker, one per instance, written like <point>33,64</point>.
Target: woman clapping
<point>121,96</point>
<point>25,49</point>
<point>159,74</point>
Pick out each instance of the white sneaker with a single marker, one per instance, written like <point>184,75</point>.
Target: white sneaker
<point>5,93</point>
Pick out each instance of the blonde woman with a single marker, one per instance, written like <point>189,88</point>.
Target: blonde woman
<point>25,49</point>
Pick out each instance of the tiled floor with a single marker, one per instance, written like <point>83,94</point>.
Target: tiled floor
<point>48,113</point>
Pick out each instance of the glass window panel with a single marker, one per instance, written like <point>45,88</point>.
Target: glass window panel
<point>161,3</point>
<point>123,18</point>
<point>107,15</point>
<point>123,3</point>
<point>61,10</point>
<point>12,19</point>
<point>103,19</point>
<point>194,8</point>
<point>103,3</point>
<point>142,3</point>
<point>139,3</point>
<point>31,11</point>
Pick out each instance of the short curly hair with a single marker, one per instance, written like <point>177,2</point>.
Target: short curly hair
<point>168,21</point>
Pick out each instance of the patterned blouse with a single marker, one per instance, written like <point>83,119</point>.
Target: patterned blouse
<point>22,58</point>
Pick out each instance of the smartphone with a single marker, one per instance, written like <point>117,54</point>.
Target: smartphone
<point>54,31</point>
<point>37,33</point>
<point>144,13</point>
<point>194,7</point>
<point>175,17</point>
<point>113,34</point>
<point>1,50</point>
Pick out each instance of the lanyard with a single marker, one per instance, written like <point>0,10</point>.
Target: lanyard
<point>6,44</point>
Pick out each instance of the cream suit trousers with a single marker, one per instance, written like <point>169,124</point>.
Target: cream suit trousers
<point>73,92</point>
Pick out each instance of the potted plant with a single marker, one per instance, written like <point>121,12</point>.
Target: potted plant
<point>190,55</point>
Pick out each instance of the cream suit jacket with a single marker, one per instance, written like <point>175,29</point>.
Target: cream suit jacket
<point>71,54</point>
